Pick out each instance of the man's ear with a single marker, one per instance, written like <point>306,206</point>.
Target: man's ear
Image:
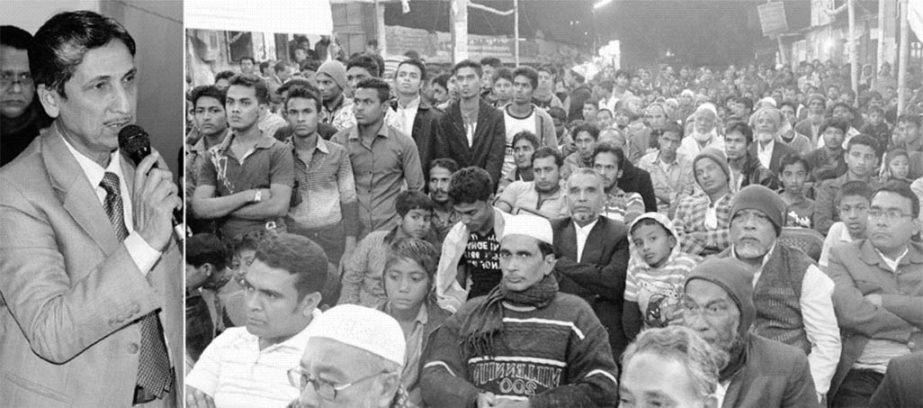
<point>389,387</point>
<point>208,269</point>
<point>310,302</point>
<point>50,100</point>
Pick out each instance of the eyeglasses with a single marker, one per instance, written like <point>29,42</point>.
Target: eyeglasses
<point>9,78</point>
<point>325,389</point>
<point>890,215</point>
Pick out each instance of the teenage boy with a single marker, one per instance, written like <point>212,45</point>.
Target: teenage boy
<point>828,161</point>
<point>585,138</point>
<point>799,209</point>
<point>852,204</point>
<point>861,163</point>
<point>671,171</point>
<point>702,220</point>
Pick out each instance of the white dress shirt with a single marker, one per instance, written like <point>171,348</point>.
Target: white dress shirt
<point>582,234</point>
<point>765,153</point>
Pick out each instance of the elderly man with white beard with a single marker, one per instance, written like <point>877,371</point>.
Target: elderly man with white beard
<point>767,128</point>
<point>704,132</point>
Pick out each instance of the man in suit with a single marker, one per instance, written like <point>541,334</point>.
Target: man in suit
<point>411,113</point>
<point>90,273</point>
<point>767,127</point>
<point>472,131</point>
<point>592,253</point>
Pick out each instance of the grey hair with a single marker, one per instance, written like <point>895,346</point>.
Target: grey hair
<point>702,361</point>
<point>586,171</point>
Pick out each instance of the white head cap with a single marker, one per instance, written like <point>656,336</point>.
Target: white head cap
<point>363,328</point>
<point>531,226</point>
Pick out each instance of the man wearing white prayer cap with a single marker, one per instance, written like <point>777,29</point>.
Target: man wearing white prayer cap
<point>353,359</point>
<point>524,344</point>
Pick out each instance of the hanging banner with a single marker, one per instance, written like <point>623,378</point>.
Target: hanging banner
<point>266,16</point>
<point>772,18</point>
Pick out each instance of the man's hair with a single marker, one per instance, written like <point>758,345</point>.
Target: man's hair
<point>302,92</point>
<point>855,188</point>
<point>297,255</point>
<point>419,251</point>
<point>444,162</point>
<point>674,127</point>
<point>548,151</point>
<point>366,62</point>
<point>740,127</point>
<point>296,83</point>
<point>209,91</point>
<point>622,72</point>
<point>469,185</point>
<point>248,240</point>
<point>412,200</point>
<point>790,104</point>
<point>242,59</point>
<point>864,140</point>
<point>747,102</point>
<point>843,105</point>
<point>61,43</point>
<point>492,61</point>
<point>902,189</point>
<point>876,109</point>
<point>206,248</point>
<point>529,73</point>
<point>415,62</point>
<point>467,64</point>
<point>606,85</point>
<point>681,344</point>
<point>281,66</point>
<point>911,118</point>
<point>15,37</point>
<point>792,158</point>
<point>224,75</point>
<point>380,86</point>
<point>251,81</point>
<point>550,69</point>
<point>586,127</point>
<point>838,123</point>
<point>372,43</point>
<point>528,136</point>
<point>586,171</point>
<point>598,111</point>
<point>264,65</point>
<point>610,148</point>
<point>442,80</point>
<point>556,112</point>
<point>503,73</point>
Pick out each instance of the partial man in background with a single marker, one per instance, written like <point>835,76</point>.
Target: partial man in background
<point>20,119</point>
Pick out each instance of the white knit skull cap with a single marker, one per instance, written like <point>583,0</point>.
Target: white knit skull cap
<point>363,328</point>
<point>531,226</point>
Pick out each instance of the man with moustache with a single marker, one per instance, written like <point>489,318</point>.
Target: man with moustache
<point>90,273</point>
<point>444,216</point>
<point>412,114</point>
<point>245,182</point>
<point>20,119</point>
<point>767,126</point>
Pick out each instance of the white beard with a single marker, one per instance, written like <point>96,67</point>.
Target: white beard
<point>764,137</point>
<point>704,137</point>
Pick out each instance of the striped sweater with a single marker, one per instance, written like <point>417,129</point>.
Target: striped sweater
<point>558,355</point>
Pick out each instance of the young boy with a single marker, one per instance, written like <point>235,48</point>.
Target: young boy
<point>799,209</point>
<point>656,271</point>
<point>877,128</point>
<point>853,202</point>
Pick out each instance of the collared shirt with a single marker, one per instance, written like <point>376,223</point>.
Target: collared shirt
<point>326,186</point>
<point>582,234</point>
<point>340,116</point>
<point>522,196</point>
<point>143,255</point>
<point>381,168</point>
<point>402,118</point>
<point>236,373</point>
<point>674,180</point>
<point>691,217</point>
<point>363,271</point>
<point>410,376</point>
<point>837,235</point>
<point>195,155</point>
<point>623,206</point>
<point>270,123</point>
<point>764,154</point>
<point>892,263</point>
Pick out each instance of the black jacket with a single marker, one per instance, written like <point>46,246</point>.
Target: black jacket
<point>637,180</point>
<point>425,132</point>
<point>488,147</point>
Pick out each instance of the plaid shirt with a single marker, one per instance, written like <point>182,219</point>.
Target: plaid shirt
<point>690,218</point>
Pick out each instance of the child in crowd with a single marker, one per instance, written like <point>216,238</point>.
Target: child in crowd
<point>896,166</point>
<point>877,128</point>
<point>799,209</point>
<point>656,271</point>
<point>853,202</point>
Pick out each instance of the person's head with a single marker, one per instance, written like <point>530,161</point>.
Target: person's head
<point>876,115</point>
<point>223,79</point>
<point>524,145</point>
<point>585,137</point>
<point>82,64</point>
<point>718,302</point>
<point>410,76</point>
<point>653,238</point>
<point>657,116</point>
<point>331,80</point>
<point>711,170</point>
<point>817,104</point>
<point>898,162</point>
<point>590,106</point>
<point>621,117</point>
<point>894,217</point>
<point>471,192</point>
<point>370,101</point>
<point>603,118</point>
<point>246,95</point>
<point>415,210</point>
<point>608,161</point>
<point>371,46</point>
<point>302,111</point>
<point>299,54</point>
<point>283,286</point>
<point>861,155</point>
<point>206,258</point>
<point>737,137</point>
<point>706,118</point>
<point>670,367</point>
<point>757,218</point>
<point>208,110</point>
<point>353,359</point>
<point>833,92</point>
<point>490,66</point>
<point>359,68</point>
<point>546,75</point>
<point>409,274</point>
<point>440,173</point>
<point>559,117</point>
<point>789,111</point>
<point>526,252</point>
<point>525,81</point>
<point>17,89</point>
<point>909,126</point>
<point>247,64</point>
<point>670,139</point>
<point>585,195</point>
<point>242,250</point>
<point>622,78</point>
<point>574,76</point>
<point>766,124</point>
<point>546,169</point>
<point>794,171</point>
<point>440,87</point>
<point>467,75</point>
<point>843,110</point>
<point>503,84</point>
<point>834,131</point>
<point>852,203</point>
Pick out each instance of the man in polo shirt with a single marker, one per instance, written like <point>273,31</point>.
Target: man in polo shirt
<point>246,181</point>
<point>542,196</point>
<point>246,366</point>
<point>383,158</point>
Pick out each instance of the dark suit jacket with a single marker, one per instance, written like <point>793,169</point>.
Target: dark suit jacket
<point>637,180</point>
<point>779,150</point>
<point>489,146</point>
<point>599,277</point>
<point>72,296</point>
<point>901,385</point>
<point>425,132</point>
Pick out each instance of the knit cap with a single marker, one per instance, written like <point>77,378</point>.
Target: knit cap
<point>736,278</point>
<point>761,198</point>
<point>363,328</point>
<point>717,156</point>
<point>336,71</point>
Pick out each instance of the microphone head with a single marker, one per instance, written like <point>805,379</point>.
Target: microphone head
<point>134,142</point>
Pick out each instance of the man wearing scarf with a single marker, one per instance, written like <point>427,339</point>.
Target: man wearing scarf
<point>524,344</point>
<point>718,304</point>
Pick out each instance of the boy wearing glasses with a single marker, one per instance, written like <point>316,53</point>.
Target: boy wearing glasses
<point>878,294</point>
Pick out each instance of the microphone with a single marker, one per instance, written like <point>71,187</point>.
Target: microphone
<point>136,143</point>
